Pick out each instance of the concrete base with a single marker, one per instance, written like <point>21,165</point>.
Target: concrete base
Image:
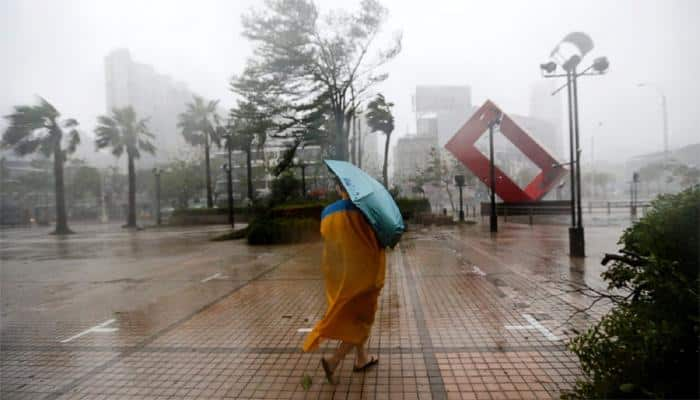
<point>577,242</point>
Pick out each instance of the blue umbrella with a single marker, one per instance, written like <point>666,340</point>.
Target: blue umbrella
<point>372,198</point>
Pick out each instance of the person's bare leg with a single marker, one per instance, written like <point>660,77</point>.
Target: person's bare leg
<point>339,355</point>
<point>361,356</point>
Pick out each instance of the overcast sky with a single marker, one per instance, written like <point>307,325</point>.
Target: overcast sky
<point>56,48</point>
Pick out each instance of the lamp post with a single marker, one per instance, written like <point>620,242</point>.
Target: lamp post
<point>298,163</point>
<point>493,218</point>
<point>568,55</point>
<point>459,181</point>
<point>157,172</point>
<point>229,183</point>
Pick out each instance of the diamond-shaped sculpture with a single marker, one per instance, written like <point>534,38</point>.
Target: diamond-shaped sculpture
<point>462,146</point>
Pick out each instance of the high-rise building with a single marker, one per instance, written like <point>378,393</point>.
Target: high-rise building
<point>411,157</point>
<point>441,108</point>
<point>152,95</point>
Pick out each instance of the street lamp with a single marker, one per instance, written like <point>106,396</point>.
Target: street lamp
<point>229,184</point>
<point>157,171</point>
<point>568,54</point>
<point>493,218</point>
<point>459,181</point>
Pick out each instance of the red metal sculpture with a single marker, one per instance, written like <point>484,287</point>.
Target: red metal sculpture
<point>462,146</point>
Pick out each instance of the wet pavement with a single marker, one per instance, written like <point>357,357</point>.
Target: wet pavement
<point>166,313</point>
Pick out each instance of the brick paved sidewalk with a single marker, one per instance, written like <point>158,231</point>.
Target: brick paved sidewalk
<point>457,319</point>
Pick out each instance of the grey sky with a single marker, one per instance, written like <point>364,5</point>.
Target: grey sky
<point>56,49</point>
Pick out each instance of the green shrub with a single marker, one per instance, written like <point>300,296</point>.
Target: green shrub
<point>311,210</point>
<point>647,346</point>
<point>268,230</point>
<point>411,207</point>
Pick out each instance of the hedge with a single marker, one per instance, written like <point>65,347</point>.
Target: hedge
<point>411,207</point>
<point>303,210</point>
<point>283,230</point>
<point>209,211</point>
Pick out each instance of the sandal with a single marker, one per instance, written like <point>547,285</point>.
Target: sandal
<point>327,370</point>
<point>373,361</point>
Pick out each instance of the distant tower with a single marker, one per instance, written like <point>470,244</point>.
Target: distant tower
<point>441,109</point>
<point>152,95</point>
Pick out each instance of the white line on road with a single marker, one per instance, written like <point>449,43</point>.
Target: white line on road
<point>534,325</point>
<point>100,328</point>
<point>476,270</point>
<point>207,279</point>
<point>304,330</point>
<point>539,327</point>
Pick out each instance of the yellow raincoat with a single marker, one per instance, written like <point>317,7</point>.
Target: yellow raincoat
<point>353,266</point>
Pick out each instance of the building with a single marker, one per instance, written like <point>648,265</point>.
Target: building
<point>548,109</point>
<point>372,153</point>
<point>152,95</point>
<point>441,108</point>
<point>411,156</point>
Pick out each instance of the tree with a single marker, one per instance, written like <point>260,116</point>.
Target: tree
<point>124,131</point>
<point>248,130</point>
<point>38,128</point>
<point>646,346</point>
<point>310,62</point>
<point>688,175</point>
<point>84,181</point>
<point>200,126</point>
<point>180,181</point>
<point>379,118</point>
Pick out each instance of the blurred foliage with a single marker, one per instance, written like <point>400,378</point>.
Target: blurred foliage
<point>410,207</point>
<point>82,183</point>
<point>647,346</point>
<point>285,187</point>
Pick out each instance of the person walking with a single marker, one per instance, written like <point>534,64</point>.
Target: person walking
<point>354,267</point>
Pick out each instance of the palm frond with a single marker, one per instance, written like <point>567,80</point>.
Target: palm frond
<point>147,146</point>
<point>73,141</point>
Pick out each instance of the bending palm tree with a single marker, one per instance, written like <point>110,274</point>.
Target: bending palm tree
<point>249,130</point>
<point>379,118</point>
<point>123,131</point>
<point>37,128</point>
<point>200,125</point>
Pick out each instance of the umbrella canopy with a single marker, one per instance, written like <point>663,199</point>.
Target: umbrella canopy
<point>372,198</point>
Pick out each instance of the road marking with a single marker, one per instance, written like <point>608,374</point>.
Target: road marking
<point>207,279</point>
<point>100,328</point>
<point>304,330</point>
<point>534,325</point>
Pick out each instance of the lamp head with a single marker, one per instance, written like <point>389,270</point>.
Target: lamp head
<point>549,67</point>
<point>571,50</point>
<point>601,64</point>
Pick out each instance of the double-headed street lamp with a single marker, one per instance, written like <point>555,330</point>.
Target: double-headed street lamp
<point>568,55</point>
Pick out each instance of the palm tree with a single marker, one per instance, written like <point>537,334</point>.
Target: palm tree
<point>37,128</point>
<point>379,118</point>
<point>249,130</point>
<point>199,125</point>
<point>124,131</point>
